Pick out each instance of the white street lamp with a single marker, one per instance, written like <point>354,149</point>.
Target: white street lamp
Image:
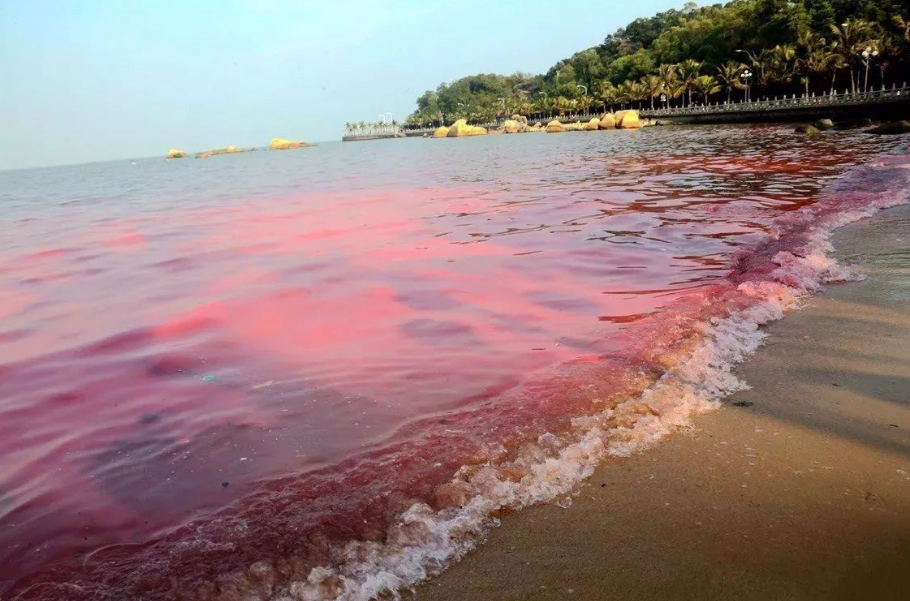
<point>868,54</point>
<point>746,76</point>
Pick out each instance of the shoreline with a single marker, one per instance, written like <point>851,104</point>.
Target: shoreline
<point>796,489</point>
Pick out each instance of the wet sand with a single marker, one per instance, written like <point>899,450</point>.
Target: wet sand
<point>796,489</point>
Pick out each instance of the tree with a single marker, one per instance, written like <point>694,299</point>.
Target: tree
<point>792,44</point>
<point>637,92</point>
<point>669,79</point>
<point>851,35</point>
<point>688,71</point>
<point>811,57</point>
<point>705,85</point>
<point>781,67</point>
<point>728,77</point>
<point>653,87</point>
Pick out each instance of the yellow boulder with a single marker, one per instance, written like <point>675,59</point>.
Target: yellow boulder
<point>282,144</point>
<point>511,126</point>
<point>173,153</point>
<point>555,127</point>
<point>593,124</point>
<point>461,129</point>
<point>441,132</point>
<point>608,121</point>
<point>627,120</point>
<point>577,126</point>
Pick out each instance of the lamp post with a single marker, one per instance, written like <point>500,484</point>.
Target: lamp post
<point>868,54</point>
<point>746,76</point>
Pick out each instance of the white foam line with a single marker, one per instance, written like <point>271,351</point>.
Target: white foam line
<point>424,541</point>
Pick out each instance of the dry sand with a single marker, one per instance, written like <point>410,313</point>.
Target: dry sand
<point>796,489</point>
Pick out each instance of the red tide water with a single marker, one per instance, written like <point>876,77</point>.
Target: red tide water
<point>250,360</point>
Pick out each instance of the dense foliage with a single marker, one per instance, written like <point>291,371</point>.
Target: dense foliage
<point>708,54</point>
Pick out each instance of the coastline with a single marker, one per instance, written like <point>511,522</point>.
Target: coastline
<point>796,489</point>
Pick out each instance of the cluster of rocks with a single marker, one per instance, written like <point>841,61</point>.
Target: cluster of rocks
<point>618,120</point>
<point>892,128</point>
<point>885,129</point>
<point>815,128</point>
<point>276,144</point>
<point>459,129</point>
<point>518,124</point>
<point>229,150</point>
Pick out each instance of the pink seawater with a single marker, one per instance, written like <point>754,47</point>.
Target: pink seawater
<point>208,365</point>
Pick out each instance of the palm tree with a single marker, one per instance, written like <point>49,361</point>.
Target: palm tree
<point>782,67</point>
<point>705,85</point>
<point>688,70</point>
<point>607,93</point>
<point>728,77</point>
<point>624,93</point>
<point>902,37</point>
<point>850,36</point>
<point>562,105</point>
<point>587,102</point>
<point>669,78</point>
<point>818,61</point>
<point>653,86</point>
<point>638,92</point>
<point>809,56</point>
<point>677,90</point>
<point>834,61</point>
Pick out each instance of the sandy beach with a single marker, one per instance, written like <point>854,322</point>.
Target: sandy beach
<point>796,489</point>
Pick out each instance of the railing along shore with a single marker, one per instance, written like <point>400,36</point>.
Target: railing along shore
<point>764,105</point>
<point>893,94</point>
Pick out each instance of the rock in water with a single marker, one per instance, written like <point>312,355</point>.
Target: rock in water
<point>555,127</point>
<point>607,121</point>
<point>893,128</point>
<point>229,150</point>
<point>577,126</point>
<point>521,119</point>
<point>173,153</point>
<point>511,126</point>
<point>460,129</point>
<point>823,124</point>
<point>593,124</point>
<point>282,144</point>
<point>441,132</point>
<point>806,129</point>
<point>627,120</point>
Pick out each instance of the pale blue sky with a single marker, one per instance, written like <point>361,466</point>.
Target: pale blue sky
<point>93,80</point>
